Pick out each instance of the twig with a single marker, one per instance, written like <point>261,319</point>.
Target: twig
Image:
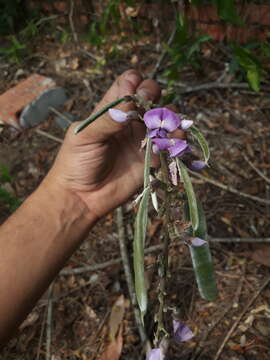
<point>49,324</point>
<point>96,267</point>
<point>41,333</point>
<point>208,86</point>
<point>70,16</point>
<point>80,270</point>
<point>152,75</point>
<point>48,18</point>
<point>265,283</point>
<point>259,172</point>
<point>49,136</point>
<point>230,188</point>
<point>239,240</point>
<point>128,273</point>
<point>60,114</point>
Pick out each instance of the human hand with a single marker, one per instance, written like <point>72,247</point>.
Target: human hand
<point>103,164</point>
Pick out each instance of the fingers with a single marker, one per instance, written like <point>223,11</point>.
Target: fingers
<point>128,83</point>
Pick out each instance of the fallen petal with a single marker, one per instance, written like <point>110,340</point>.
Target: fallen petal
<point>198,242</point>
<point>181,331</point>
<point>173,172</point>
<point>118,115</point>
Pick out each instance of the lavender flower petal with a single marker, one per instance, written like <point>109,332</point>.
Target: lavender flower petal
<point>197,165</point>
<point>153,118</point>
<point>198,242</point>
<point>118,115</point>
<point>181,331</point>
<point>173,172</point>
<point>162,118</point>
<point>177,147</point>
<point>155,354</point>
<point>185,124</point>
<point>170,120</point>
<point>162,143</point>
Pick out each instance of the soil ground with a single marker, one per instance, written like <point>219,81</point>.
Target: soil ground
<point>237,126</point>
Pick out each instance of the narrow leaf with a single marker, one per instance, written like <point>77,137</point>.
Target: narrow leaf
<point>140,234</point>
<point>201,232</point>
<point>193,209</point>
<point>138,249</point>
<point>204,270</point>
<point>202,141</point>
<point>116,317</point>
<point>147,163</point>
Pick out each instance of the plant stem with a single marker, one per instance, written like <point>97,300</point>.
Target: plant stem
<point>163,260</point>
<point>102,111</point>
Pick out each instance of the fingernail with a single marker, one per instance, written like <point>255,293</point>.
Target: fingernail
<point>133,77</point>
<point>145,94</point>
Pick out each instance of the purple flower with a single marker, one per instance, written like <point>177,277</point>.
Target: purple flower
<point>160,133</point>
<point>181,331</point>
<point>162,118</point>
<point>155,354</point>
<point>176,147</point>
<point>197,165</point>
<point>198,242</point>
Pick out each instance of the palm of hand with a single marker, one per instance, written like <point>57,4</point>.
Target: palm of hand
<point>103,164</point>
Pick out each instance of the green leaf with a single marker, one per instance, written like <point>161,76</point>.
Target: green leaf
<point>227,11</point>
<point>193,209</point>
<point>140,235</point>
<point>204,271</point>
<point>202,141</point>
<point>265,49</point>
<point>138,249</point>
<point>254,78</point>
<point>251,65</point>
<point>4,174</point>
<point>147,163</point>
<point>201,232</point>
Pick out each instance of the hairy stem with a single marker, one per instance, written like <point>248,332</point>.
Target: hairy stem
<point>99,113</point>
<point>163,260</point>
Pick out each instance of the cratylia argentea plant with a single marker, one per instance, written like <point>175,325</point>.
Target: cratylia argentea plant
<point>168,187</point>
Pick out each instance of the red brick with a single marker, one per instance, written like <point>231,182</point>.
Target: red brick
<point>14,100</point>
<point>258,14</point>
<point>217,31</point>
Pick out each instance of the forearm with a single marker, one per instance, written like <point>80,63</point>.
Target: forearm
<point>35,242</point>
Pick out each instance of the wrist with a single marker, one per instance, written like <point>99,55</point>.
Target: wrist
<point>64,207</point>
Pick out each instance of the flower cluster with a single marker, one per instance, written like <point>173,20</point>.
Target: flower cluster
<point>160,123</point>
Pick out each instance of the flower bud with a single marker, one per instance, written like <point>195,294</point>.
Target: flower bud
<point>118,115</point>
